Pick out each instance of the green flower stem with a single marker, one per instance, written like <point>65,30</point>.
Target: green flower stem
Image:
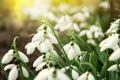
<point>2,68</point>
<point>17,56</point>
<point>59,42</point>
<point>117,71</point>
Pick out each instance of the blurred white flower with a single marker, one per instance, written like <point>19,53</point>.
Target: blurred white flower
<point>105,4</point>
<point>7,57</point>
<point>115,55</point>
<point>114,26</point>
<point>111,42</point>
<point>51,74</point>
<point>65,23</point>
<point>81,16</point>
<point>72,50</point>
<point>86,76</point>
<point>40,7</point>
<point>93,32</point>
<point>91,41</point>
<point>113,67</point>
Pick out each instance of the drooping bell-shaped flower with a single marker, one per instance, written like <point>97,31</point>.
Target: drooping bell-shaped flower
<point>72,50</point>
<point>51,74</point>
<point>114,26</point>
<point>111,42</point>
<point>86,76</point>
<point>115,55</point>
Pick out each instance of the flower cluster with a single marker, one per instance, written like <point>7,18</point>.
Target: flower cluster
<point>12,55</point>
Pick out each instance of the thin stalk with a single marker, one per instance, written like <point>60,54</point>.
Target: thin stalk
<point>106,64</point>
<point>117,71</point>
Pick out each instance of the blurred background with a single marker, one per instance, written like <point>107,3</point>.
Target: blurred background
<point>22,17</point>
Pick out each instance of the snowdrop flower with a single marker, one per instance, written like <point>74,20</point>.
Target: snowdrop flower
<point>51,74</point>
<point>44,27</point>
<point>81,16</point>
<point>13,74</point>
<point>105,4</point>
<point>86,76</point>
<point>65,23</point>
<point>10,55</point>
<point>111,42</point>
<point>115,55</point>
<point>43,40</point>
<point>88,34</point>
<point>114,26</point>
<point>72,50</point>
<point>113,68</point>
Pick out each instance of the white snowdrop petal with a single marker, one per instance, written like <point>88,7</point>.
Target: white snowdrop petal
<point>38,61</point>
<point>89,34</point>
<point>25,72</point>
<point>45,46</point>
<point>83,33</point>
<point>83,76</point>
<point>112,68</point>
<point>13,74</point>
<point>42,75</point>
<point>90,77</point>
<point>114,26</point>
<point>40,66</point>
<point>77,49</point>
<point>31,47</point>
<point>76,27</point>
<point>64,69</point>
<point>38,37</point>
<point>71,54</point>
<point>75,75</point>
<point>62,76</point>
<point>7,57</point>
<point>23,56</point>
<point>66,48</point>
<point>52,38</point>
<point>9,66</point>
<point>115,55</point>
<point>110,42</point>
